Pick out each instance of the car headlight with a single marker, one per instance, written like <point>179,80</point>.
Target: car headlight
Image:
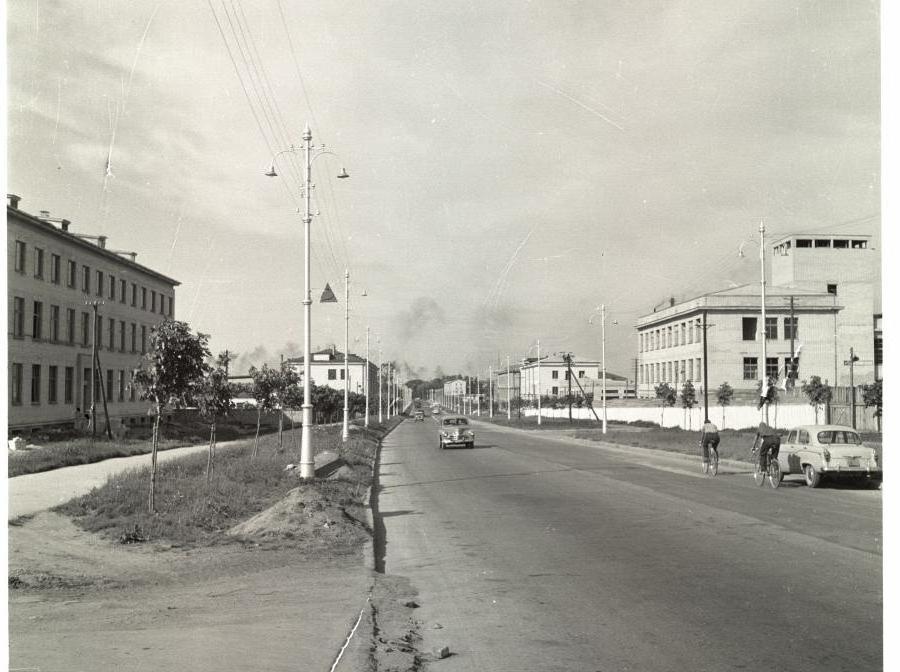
<point>444,434</point>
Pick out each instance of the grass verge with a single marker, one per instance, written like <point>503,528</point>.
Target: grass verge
<point>192,513</point>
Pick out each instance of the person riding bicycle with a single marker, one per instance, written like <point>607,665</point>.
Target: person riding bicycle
<point>767,443</point>
<point>709,436</point>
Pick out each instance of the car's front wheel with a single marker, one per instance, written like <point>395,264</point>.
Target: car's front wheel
<point>813,478</point>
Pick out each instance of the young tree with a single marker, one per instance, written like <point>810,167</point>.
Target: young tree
<point>817,392</point>
<point>724,395</point>
<point>667,397</point>
<point>293,400</point>
<point>688,400</point>
<point>174,364</point>
<point>265,382</point>
<point>872,397</point>
<point>286,381</point>
<point>214,398</point>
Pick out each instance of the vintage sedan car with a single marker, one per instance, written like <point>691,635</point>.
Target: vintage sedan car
<point>418,416</point>
<point>828,451</point>
<point>454,430</point>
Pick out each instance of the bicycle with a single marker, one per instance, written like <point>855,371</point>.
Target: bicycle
<point>711,464</point>
<point>770,471</point>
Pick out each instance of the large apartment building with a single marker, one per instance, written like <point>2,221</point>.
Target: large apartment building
<point>55,277</point>
<point>820,302</point>
<point>327,369</point>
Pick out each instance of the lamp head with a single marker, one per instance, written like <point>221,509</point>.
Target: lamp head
<point>343,174</point>
<point>271,172</point>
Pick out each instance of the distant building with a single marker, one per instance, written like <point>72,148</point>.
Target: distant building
<point>454,388</point>
<point>820,303</point>
<point>327,369</point>
<point>552,378</point>
<point>52,274</point>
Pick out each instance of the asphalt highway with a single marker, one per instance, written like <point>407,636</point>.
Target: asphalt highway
<point>535,553</point>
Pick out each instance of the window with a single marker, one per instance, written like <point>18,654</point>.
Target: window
<point>342,374</point>
<point>554,374</point>
<point>18,317</point>
<point>772,328</point>
<point>683,333</point>
<point>71,273</point>
<point>133,295</point>
<point>803,437</point>
<point>54,324</point>
<point>86,397</point>
<point>37,321</point>
<point>143,298</point>
<point>86,279</point>
<point>69,385</point>
<point>15,384</point>
<point>38,263</point>
<point>55,263</point>
<point>332,374</point>
<point>122,335</point>
<point>152,301</point>
<point>121,385</point>
<point>748,327</point>
<point>554,391</point>
<point>804,242</point>
<point>99,283</point>
<point>131,390</point>
<point>859,244</point>
<point>771,367</point>
<point>822,243</point>
<point>581,374</point>
<point>790,370</point>
<point>109,384</point>
<point>790,328</point>
<point>568,374</point>
<point>123,287</point>
<point>52,372</point>
<point>70,326</point>
<point>133,337</point>
<point>20,257</point>
<point>831,289</point>
<point>841,244</point>
<point>35,383</point>
<point>143,339</point>
<point>751,368</point>
<point>111,334</point>
<point>85,329</point>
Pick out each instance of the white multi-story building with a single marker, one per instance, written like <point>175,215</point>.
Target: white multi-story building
<point>327,368</point>
<point>53,275</point>
<point>820,303</point>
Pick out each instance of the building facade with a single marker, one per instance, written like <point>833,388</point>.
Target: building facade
<point>327,369</point>
<point>551,378</point>
<point>819,305</point>
<point>54,278</point>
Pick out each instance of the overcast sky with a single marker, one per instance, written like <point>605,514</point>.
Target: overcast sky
<point>513,164</point>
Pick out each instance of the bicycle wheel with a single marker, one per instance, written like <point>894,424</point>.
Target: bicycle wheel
<point>759,474</point>
<point>714,461</point>
<point>774,472</point>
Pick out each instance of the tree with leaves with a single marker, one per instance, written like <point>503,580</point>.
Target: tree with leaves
<point>872,397</point>
<point>173,367</point>
<point>286,382</point>
<point>688,400</point>
<point>818,393</point>
<point>724,395</point>
<point>667,397</point>
<point>265,383</point>
<point>214,399</point>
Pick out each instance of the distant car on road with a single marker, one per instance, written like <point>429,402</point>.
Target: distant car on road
<point>454,430</point>
<point>828,451</point>
<point>436,411</point>
<point>419,416</point>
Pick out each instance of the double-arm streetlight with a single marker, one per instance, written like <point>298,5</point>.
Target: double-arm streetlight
<point>602,310</point>
<point>307,462</point>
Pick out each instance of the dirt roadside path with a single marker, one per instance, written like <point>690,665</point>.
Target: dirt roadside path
<point>80,602</point>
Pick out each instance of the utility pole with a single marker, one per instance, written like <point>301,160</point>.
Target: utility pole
<point>93,411</point>
<point>706,373</point>
<point>853,359</point>
<point>345,432</point>
<point>539,380</point>
<point>764,389</point>
<point>567,358</point>
<point>603,359</point>
<point>366,377</point>
<point>508,388</point>
<point>491,390</point>
<point>790,376</point>
<point>380,384</point>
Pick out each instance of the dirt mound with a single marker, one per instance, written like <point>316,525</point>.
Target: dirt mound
<point>304,511</point>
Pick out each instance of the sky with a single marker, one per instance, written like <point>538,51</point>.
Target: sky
<point>513,164</point>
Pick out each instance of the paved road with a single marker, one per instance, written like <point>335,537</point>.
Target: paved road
<point>531,553</point>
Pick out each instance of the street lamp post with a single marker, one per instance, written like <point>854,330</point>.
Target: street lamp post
<point>491,390</point>
<point>345,432</point>
<point>508,388</point>
<point>764,388</point>
<point>366,377</point>
<point>380,383</point>
<point>307,461</point>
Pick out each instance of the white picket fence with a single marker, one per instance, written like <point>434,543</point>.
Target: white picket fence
<point>731,417</point>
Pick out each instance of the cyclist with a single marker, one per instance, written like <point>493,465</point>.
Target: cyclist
<point>768,443</point>
<point>709,437</point>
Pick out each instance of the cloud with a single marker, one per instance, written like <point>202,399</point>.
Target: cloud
<point>423,313</point>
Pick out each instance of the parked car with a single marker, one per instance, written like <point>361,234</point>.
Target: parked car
<point>436,410</point>
<point>454,430</point>
<point>828,451</point>
<point>418,416</point>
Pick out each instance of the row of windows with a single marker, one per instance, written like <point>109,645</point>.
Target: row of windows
<point>835,243</point>
<point>690,331</point>
<point>105,284</point>
<point>679,371</point>
<point>116,387</point>
<point>116,334</point>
